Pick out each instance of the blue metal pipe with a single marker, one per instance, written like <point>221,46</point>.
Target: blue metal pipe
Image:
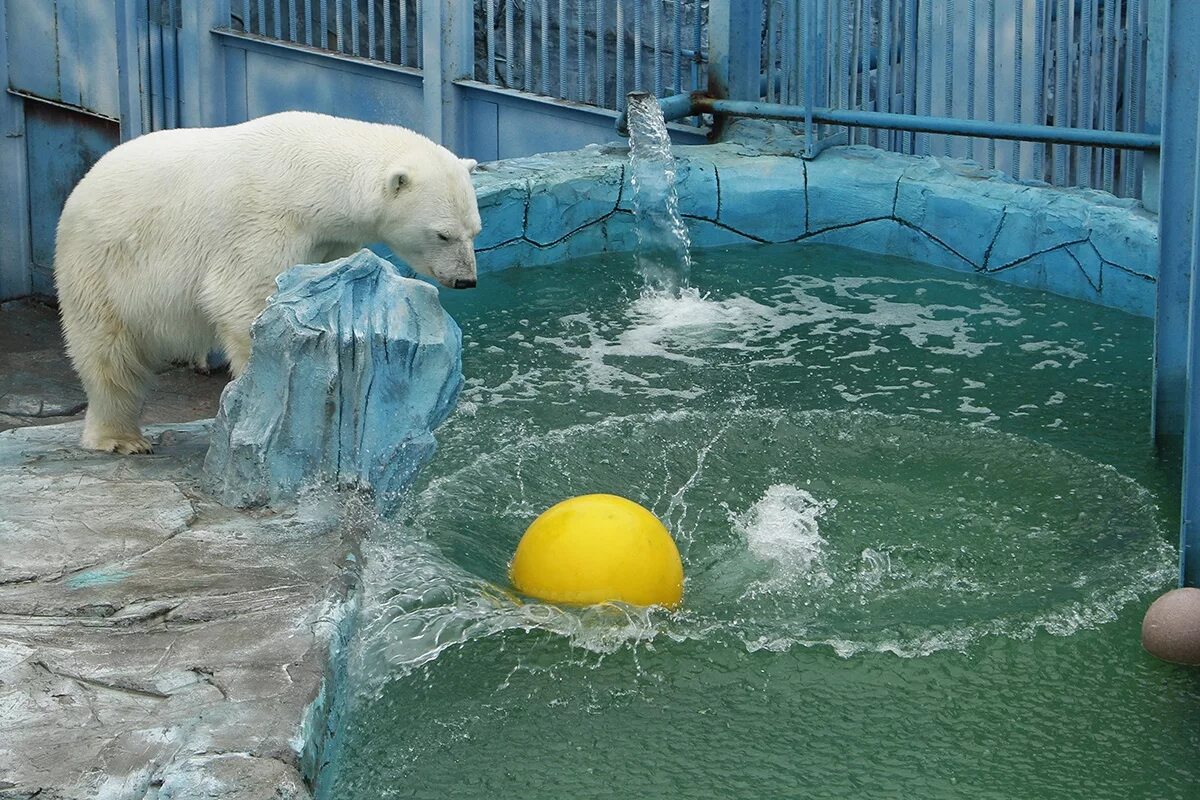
<point>685,105</point>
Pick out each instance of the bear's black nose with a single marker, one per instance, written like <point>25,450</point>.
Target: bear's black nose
<point>464,283</point>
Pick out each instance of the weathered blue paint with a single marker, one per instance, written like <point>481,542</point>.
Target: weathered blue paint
<point>1179,127</point>
<point>202,76</point>
<point>16,261</point>
<point>61,146</point>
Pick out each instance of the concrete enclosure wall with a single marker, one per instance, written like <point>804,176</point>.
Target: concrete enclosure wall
<point>754,189</point>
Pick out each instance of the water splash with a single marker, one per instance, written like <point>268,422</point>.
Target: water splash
<point>664,246</point>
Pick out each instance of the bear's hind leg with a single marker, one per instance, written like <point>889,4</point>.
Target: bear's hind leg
<point>115,380</point>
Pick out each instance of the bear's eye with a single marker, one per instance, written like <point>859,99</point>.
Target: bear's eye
<point>444,237</point>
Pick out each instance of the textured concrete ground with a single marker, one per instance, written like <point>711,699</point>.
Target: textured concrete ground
<point>152,643</point>
<point>38,386</point>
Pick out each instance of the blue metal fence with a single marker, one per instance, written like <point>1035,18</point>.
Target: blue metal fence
<point>1059,63</point>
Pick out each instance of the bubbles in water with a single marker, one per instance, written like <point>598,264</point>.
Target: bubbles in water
<point>663,242</point>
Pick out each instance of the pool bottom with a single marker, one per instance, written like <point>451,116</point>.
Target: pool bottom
<point>928,587</point>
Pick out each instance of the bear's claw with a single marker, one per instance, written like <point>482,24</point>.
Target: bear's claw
<point>126,446</point>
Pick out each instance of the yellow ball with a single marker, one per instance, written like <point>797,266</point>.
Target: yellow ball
<point>598,548</point>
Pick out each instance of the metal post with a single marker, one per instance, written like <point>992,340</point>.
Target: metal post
<point>16,258</point>
<point>1153,70</point>
<point>734,45</point>
<point>129,67</point>
<point>1189,529</point>
<point>202,71</point>
<point>1181,83</point>
<point>447,44</point>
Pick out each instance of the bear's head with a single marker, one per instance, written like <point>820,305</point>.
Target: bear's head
<point>430,218</point>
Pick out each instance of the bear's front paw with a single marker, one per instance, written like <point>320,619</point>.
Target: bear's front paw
<point>124,445</point>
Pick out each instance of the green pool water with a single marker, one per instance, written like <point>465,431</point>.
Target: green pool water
<point>918,513</point>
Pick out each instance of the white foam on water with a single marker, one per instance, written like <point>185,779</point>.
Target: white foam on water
<point>782,528</point>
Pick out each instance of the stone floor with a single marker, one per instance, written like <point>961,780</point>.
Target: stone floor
<point>153,644</point>
<point>38,386</point>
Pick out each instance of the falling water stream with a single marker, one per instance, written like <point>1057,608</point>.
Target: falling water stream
<point>664,247</point>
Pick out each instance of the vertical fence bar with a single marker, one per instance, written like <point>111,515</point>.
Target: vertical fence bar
<point>292,20</point>
<point>885,66</point>
<point>810,72</point>
<point>908,67</point>
<point>656,29</point>
<point>354,35</point>
<point>490,38</point>
<point>262,17</point>
<point>864,65</point>
<point>771,46</point>
<point>601,77</point>
<point>508,43</point>
<point>619,23</point>
<point>677,46</point>
<point>1108,88</point>
<point>1039,92</point>
<point>948,32</point>
<point>169,55</point>
<point>991,78</point>
<point>1062,82</point>
<point>580,54</point>
<point>527,48</point>
<point>387,32</point>
<point>324,25</point>
<point>419,8</point>
<point>402,40</point>
<point>338,27</point>
<point>927,75</point>
<point>1177,217</point>
<point>246,16</point>
<point>1018,78</point>
<point>1083,118</point>
<point>562,47</point>
<point>845,65</point>
<point>277,18</point>
<point>1129,172</point>
<point>789,32</point>
<point>545,46</point>
<point>308,21</point>
<point>370,28</point>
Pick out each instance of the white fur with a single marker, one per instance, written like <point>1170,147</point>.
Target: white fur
<point>172,242</point>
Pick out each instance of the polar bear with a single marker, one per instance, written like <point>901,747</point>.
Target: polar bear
<point>172,242</point>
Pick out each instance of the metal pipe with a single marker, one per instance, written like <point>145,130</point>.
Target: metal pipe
<point>1062,80</point>
<point>686,105</point>
<point>490,38</point>
<point>1018,78</point>
<point>508,43</point>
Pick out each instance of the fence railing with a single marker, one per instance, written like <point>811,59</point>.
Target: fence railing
<point>388,31</point>
<point>1063,63</point>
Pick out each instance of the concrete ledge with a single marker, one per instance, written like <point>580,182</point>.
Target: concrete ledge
<point>153,643</point>
<point>946,212</point>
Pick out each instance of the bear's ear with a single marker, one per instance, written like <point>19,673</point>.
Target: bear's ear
<point>469,163</point>
<point>397,180</point>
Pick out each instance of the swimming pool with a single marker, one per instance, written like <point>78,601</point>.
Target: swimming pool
<point>918,515</point>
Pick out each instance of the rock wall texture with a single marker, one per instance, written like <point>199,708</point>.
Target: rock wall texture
<point>353,367</point>
<point>754,188</point>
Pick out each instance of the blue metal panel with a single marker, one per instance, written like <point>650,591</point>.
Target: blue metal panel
<point>61,145</point>
<point>1180,106</point>
<point>1189,529</point>
<point>202,74</point>
<point>284,77</point>
<point>734,49</point>
<point>16,264</point>
<point>33,62</point>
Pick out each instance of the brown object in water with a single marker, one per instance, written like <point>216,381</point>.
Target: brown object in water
<point>1171,628</point>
